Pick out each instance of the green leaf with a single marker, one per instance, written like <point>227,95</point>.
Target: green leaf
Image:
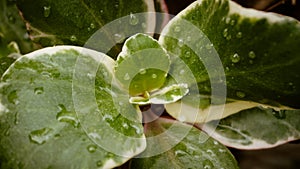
<point>13,37</point>
<point>194,150</point>
<point>257,128</point>
<point>142,66</point>
<point>40,124</point>
<point>165,95</point>
<point>75,22</point>
<point>258,52</point>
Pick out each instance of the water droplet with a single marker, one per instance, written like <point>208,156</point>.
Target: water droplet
<point>188,38</point>
<point>73,38</point>
<point>215,142</point>
<point>40,136</point>
<point>232,22</point>
<point>46,74</point>
<point>187,54</point>
<point>181,72</point>
<point>92,26</point>
<point>227,20</point>
<point>279,114</point>
<point>239,35</point>
<point>38,90</point>
<point>67,116</point>
<point>154,76</point>
<point>177,29</point>
<point>133,19</point>
<point>207,164</point>
<point>7,131</point>
<point>251,55</point>
<point>110,155</point>
<point>235,58</point>
<point>125,125</point>
<point>47,11</point>
<point>126,77</point>
<point>119,38</point>
<point>11,19</point>
<point>92,148</point>
<point>138,130</point>
<point>225,33</point>
<point>99,163</point>
<point>17,118</point>
<point>222,150</point>
<point>142,71</point>
<point>101,11</point>
<point>107,117</point>
<point>240,94</point>
<point>210,152</point>
<point>12,97</point>
<point>180,153</point>
<point>180,43</point>
<point>209,46</point>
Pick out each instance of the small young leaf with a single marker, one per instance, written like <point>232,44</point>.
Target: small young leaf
<point>165,95</point>
<point>257,128</point>
<point>192,151</point>
<point>142,66</point>
<point>259,53</point>
<point>42,127</point>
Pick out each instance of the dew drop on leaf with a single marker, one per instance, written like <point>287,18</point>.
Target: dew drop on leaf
<point>11,19</point>
<point>92,148</point>
<point>73,38</point>
<point>154,76</point>
<point>107,117</point>
<point>180,153</point>
<point>66,116</point>
<point>207,164</point>
<point>251,55</point>
<point>126,77</point>
<point>17,118</point>
<point>210,152</point>
<point>125,125</point>
<point>180,43</point>
<point>222,150</point>
<point>92,26</point>
<point>177,29</point>
<point>133,19</point>
<point>239,35</point>
<point>99,163</point>
<point>187,54</point>
<point>209,46</point>
<point>40,136</point>
<point>12,97</point>
<point>181,72</point>
<point>232,22</point>
<point>188,38</point>
<point>225,33</point>
<point>240,94</point>
<point>142,71</point>
<point>47,11</point>
<point>7,132</point>
<point>235,58</point>
<point>38,90</point>
<point>119,38</point>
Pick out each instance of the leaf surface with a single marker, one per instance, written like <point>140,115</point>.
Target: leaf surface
<point>40,124</point>
<point>194,150</point>
<point>258,52</point>
<point>257,128</point>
